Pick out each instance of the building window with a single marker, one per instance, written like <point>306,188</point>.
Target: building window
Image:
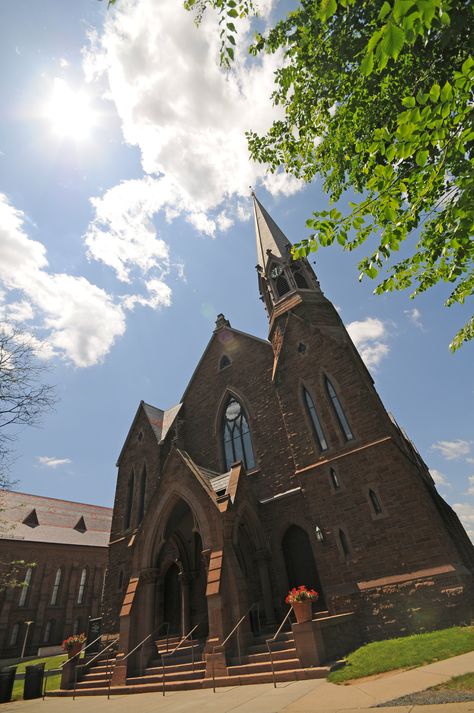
<point>25,587</point>
<point>318,429</point>
<point>141,499</point>
<point>344,543</point>
<point>129,501</point>
<point>76,629</point>
<point>300,279</point>
<point>224,362</point>
<point>282,285</point>
<point>341,416</point>
<point>375,502</point>
<point>336,483</point>
<point>82,586</point>
<point>14,634</point>
<point>47,632</point>
<point>120,581</point>
<point>55,592</point>
<point>237,441</point>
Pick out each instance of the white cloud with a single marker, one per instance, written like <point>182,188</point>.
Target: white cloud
<point>451,450</point>
<point>18,311</point>
<point>470,490</point>
<point>80,319</point>
<point>187,116</point>
<point>369,337</point>
<point>439,478</point>
<point>414,315</point>
<point>52,462</point>
<point>465,512</point>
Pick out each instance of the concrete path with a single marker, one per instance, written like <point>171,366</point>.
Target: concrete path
<point>316,696</point>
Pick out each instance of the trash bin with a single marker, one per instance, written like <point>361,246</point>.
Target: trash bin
<point>34,676</point>
<point>7,679</point>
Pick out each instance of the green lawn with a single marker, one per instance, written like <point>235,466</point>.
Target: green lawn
<point>53,681</point>
<point>405,652</point>
<point>458,683</point>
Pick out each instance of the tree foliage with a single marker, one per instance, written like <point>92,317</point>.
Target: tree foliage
<point>377,99</point>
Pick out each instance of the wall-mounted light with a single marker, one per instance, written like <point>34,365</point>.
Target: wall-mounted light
<point>319,533</point>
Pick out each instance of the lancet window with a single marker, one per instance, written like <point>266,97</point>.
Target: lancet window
<point>318,429</point>
<point>339,411</point>
<point>56,585</point>
<point>236,432</point>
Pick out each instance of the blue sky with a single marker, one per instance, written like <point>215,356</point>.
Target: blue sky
<point>118,250</point>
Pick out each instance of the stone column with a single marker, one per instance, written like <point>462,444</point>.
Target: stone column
<point>147,623</point>
<point>185,580</point>
<point>262,557</point>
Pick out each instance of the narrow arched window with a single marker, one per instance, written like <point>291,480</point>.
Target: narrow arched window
<point>282,285</point>
<point>237,441</point>
<point>120,581</point>
<point>25,587</point>
<point>82,586</point>
<point>77,625</point>
<point>56,585</point>
<point>224,362</point>
<point>336,483</point>
<point>344,543</point>
<point>375,502</point>
<point>47,632</point>
<point>300,278</point>
<point>141,497</point>
<point>129,501</point>
<point>341,416</point>
<point>14,634</point>
<point>318,429</point>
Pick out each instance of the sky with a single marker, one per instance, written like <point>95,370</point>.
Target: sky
<point>126,227</point>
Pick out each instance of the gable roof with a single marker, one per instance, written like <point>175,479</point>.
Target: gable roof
<point>159,420</point>
<point>57,520</point>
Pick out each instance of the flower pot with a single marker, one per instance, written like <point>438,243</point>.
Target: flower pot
<point>303,610</point>
<point>74,649</point>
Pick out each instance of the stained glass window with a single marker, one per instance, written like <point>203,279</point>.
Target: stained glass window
<point>237,441</point>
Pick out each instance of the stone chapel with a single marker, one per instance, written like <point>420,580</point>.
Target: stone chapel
<point>280,466</point>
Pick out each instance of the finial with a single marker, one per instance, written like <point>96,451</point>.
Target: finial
<point>252,192</point>
<point>221,322</point>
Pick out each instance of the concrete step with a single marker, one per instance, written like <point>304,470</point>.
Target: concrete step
<point>276,646</point>
<point>264,666</point>
<point>169,677</point>
<point>176,668</point>
<point>289,653</point>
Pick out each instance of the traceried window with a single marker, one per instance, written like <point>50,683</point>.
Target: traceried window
<point>82,586</point>
<point>129,501</point>
<point>56,585</point>
<point>318,429</point>
<point>25,587</point>
<point>237,441</point>
<point>282,285</point>
<point>341,416</point>
<point>375,502</point>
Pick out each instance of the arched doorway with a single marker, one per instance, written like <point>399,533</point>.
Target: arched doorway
<point>172,598</point>
<point>299,562</point>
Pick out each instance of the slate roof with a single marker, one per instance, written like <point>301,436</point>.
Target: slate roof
<point>218,481</point>
<point>57,520</point>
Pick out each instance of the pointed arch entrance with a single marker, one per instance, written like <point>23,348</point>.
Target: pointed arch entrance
<point>299,562</point>
<point>172,598</point>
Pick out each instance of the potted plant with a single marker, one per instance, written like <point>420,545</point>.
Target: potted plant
<point>301,599</point>
<point>73,644</point>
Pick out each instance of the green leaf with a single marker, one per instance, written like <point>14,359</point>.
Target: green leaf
<point>446,92</point>
<point>230,52</point>
<point>409,102</point>
<point>421,157</point>
<point>393,40</point>
<point>367,64</point>
<point>384,10</point>
<point>327,9</point>
<point>434,93</point>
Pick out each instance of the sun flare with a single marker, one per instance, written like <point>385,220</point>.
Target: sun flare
<point>69,112</point>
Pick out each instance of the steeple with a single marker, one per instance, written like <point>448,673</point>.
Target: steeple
<point>270,239</point>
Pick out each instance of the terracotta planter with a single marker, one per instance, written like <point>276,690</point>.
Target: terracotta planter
<point>303,611</point>
<point>75,648</point>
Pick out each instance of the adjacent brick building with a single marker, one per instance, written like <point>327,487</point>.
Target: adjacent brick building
<point>280,466</point>
<point>67,543</point>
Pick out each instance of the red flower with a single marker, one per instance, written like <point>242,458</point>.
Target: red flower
<point>301,594</point>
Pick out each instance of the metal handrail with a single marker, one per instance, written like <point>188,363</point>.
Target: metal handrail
<point>255,605</point>
<point>273,639</point>
<point>169,654</point>
<point>107,648</point>
<point>60,668</point>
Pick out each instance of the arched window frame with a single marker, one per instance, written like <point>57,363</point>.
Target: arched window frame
<point>316,424</point>
<point>338,410</point>
<point>82,586</point>
<point>375,502</point>
<point>47,631</point>
<point>343,543</point>
<point>25,588</point>
<point>13,640</point>
<point>224,362</point>
<point>141,495</point>
<point>282,285</point>
<point>76,629</point>
<point>240,445</point>
<point>300,273</point>
<point>377,508</point>
<point>129,501</point>
<point>335,479</point>
<point>56,586</point>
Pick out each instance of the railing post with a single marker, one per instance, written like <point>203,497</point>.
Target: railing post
<point>213,670</point>
<point>163,673</point>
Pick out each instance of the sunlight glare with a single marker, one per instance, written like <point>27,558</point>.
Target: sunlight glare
<point>69,112</point>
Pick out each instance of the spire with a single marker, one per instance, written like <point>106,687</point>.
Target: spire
<point>269,236</point>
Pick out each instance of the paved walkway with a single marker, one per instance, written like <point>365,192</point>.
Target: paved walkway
<point>316,696</point>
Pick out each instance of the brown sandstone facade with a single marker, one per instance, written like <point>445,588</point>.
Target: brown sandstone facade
<point>324,489</point>
<point>67,544</point>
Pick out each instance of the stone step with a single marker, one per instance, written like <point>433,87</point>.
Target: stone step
<point>169,677</point>
<point>276,646</point>
<point>175,668</point>
<point>264,666</point>
<point>289,653</point>
<point>282,636</point>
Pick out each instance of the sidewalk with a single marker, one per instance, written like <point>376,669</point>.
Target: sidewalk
<point>315,696</point>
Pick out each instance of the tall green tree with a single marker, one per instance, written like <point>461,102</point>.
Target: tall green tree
<point>377,99</point>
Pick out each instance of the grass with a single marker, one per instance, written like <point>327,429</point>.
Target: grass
<point>405,652</point>
<point>53,681</point>
<point>458,683</point>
